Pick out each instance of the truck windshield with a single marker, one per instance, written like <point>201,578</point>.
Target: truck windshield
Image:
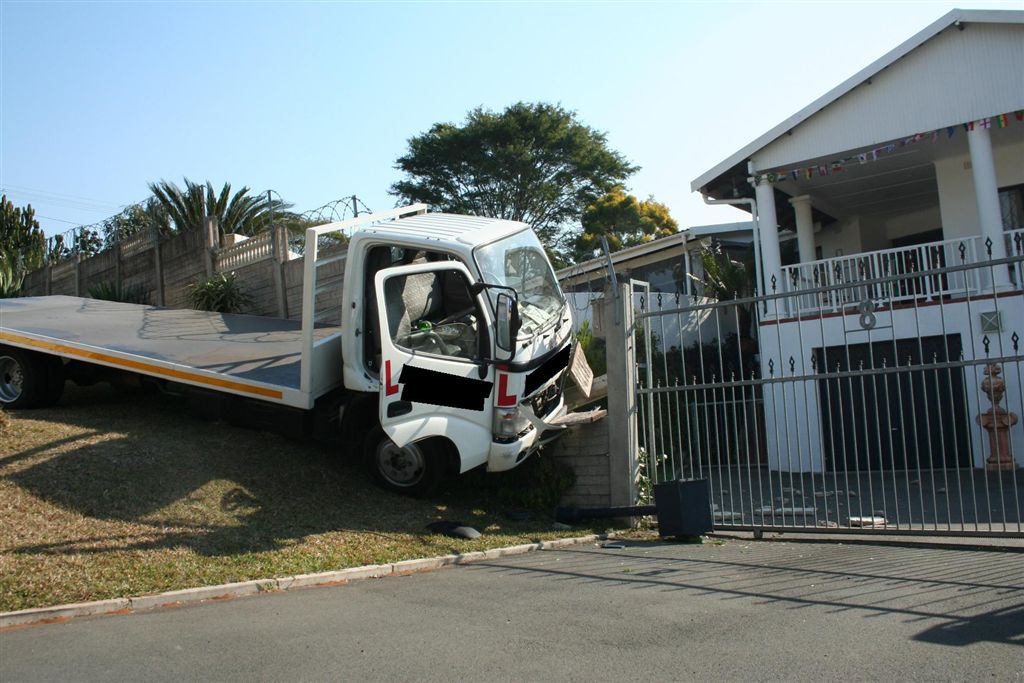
<point>519,261</point>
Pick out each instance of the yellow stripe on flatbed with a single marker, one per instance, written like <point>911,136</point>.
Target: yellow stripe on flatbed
<point>66,350</point>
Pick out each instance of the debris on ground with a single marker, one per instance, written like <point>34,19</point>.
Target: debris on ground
<point>874,522</point>
<point>453,529</point>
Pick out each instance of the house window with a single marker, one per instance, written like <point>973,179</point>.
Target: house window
<point>1011,204</point>
<point>664,276</point>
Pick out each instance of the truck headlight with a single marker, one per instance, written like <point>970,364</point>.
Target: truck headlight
<point>509,423</point>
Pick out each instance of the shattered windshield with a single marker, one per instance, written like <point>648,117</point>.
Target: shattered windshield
<point>519,261</point>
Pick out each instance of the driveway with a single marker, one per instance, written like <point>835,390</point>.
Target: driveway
<point>793,609</point>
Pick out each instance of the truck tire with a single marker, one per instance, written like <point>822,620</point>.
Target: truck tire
<point>414,470</point>
<point>24,378</point>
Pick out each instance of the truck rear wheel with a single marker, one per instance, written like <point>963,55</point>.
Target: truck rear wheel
<point>415,469</point>
<point>24,378</point>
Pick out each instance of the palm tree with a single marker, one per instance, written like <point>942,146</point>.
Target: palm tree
<point>241,212</point>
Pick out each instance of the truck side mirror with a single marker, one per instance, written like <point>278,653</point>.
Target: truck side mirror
<point>507,322</point>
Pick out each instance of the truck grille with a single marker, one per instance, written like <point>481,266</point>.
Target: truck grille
<point>547,400</point>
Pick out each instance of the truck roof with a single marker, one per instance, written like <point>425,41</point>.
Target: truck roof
<point>469,230</point>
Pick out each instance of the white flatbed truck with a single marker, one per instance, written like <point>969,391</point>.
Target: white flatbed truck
<point>451,354</point>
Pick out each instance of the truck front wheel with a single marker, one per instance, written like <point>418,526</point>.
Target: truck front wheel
<point>414,469</point>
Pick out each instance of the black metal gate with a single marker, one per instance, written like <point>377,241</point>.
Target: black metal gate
<point>878,399</point>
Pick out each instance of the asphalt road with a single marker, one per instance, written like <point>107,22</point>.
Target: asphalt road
<point>649,612</point>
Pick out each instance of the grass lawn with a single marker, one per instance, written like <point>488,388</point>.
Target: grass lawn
<point>115,494</point>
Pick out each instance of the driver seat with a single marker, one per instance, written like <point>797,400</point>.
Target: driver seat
<point>420,297</point>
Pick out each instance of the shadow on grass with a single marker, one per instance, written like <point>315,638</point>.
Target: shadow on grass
<point>217,489</point>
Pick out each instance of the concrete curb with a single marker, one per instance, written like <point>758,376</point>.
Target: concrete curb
<point>227,591</point>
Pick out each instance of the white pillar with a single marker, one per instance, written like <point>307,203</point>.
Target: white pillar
<point>986,193</point>
<point>804,227</point>
<point>771,259</point>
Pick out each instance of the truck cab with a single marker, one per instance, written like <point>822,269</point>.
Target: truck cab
<point>458,328</point>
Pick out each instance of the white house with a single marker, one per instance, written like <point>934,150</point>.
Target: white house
<point>668,267</point>
<point>914,164</point>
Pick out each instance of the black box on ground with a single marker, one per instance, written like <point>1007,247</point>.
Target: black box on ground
<point>684,507</point>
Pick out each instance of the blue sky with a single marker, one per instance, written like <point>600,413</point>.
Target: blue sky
<point>317,100</point>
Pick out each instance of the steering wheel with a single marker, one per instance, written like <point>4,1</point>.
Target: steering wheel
<point>455,316</point>
<point>450,331</point>
<point>420,340</point>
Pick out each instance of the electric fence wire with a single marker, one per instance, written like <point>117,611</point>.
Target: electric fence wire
<point>93,238</point>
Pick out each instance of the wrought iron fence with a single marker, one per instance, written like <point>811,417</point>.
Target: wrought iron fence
<point>897,413</point>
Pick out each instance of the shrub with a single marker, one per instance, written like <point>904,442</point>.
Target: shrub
<point>115,291</point>
<point>222,293</point>
<point>10,277</point>
<point>593,349</point>
<point>538,484</point>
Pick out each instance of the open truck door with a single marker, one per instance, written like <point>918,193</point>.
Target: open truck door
<point>435,381</point>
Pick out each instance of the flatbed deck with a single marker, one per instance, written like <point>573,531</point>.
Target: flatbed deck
<point>241,354</point>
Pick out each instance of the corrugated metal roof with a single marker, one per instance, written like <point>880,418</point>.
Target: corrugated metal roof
<point>678,239</point>
<point>949,19</point>
<point>718,228</point>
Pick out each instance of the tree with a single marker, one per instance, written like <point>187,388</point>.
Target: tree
<point>83,240</point>
<point>136,218</point>
<point>534,163</point>
<point>624,220</point>
<point>241,212</point>
<point>22,245</point>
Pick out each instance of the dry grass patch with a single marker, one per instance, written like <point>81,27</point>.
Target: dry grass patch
<point>109,495</point>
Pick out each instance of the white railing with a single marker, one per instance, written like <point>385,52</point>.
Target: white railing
<point>244,253</point>
<point>843,275</point>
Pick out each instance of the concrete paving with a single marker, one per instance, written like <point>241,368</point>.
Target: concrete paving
<point>732,610</point>
<point>944,501</point>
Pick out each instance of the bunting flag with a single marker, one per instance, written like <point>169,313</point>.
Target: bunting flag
<point>838,165</point>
